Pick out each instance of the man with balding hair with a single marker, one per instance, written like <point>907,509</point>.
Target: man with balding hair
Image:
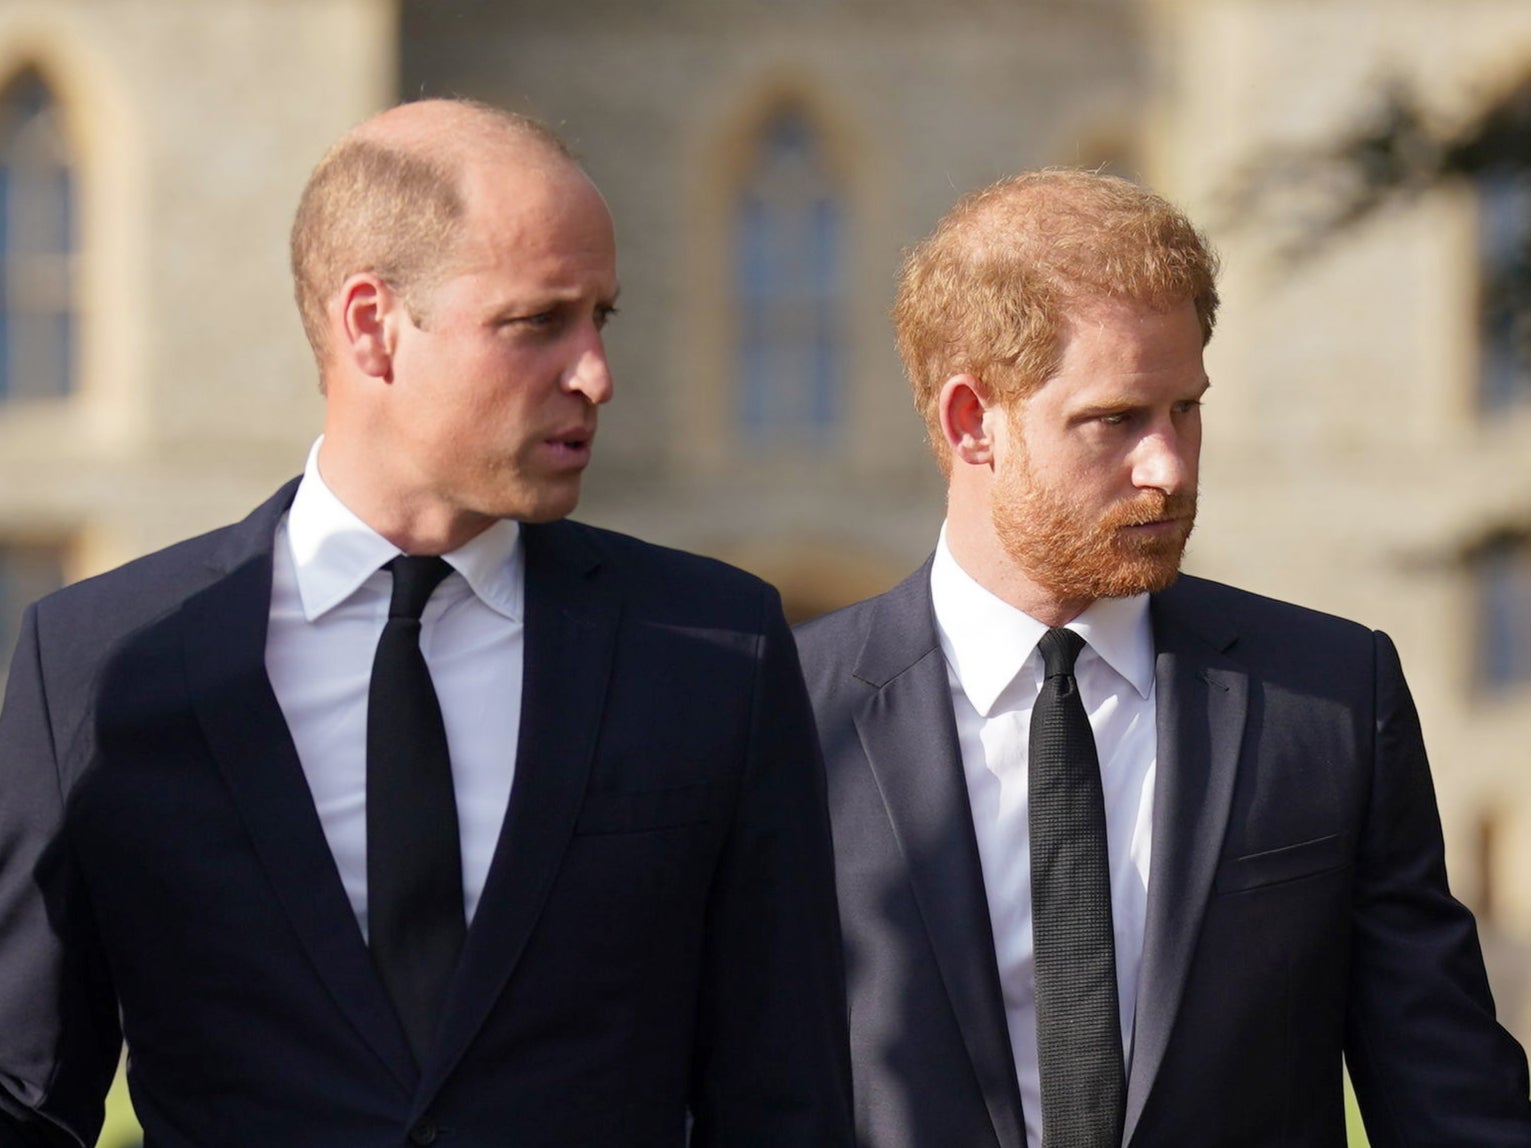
<point>406,810</point>
<point>1124,857</point>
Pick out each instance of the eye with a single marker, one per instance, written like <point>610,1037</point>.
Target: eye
<point>603,315</point>
<point>534,320</point>
<point>1186,406</point>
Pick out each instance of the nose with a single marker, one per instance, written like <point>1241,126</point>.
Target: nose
<point>591,373</point>
<point>1165,460</point>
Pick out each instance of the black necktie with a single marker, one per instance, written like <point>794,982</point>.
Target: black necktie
<point>1079,1036</point>
<point>415,923</point>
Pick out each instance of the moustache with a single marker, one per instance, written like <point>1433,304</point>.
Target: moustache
<point>1152,506</point>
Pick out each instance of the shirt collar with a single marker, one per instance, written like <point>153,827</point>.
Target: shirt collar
<point>334,552</point>
<point>987,641</point>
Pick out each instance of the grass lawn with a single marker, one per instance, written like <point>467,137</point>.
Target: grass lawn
<point>121,1129</point>
<point>1356,1134</point>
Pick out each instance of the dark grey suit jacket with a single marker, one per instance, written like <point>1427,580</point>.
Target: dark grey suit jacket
<point>1297,903</point>
<point>657,932</point>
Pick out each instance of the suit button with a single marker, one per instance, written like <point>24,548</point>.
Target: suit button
<point>425,1132</point>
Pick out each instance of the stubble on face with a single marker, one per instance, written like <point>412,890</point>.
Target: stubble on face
<point>1078,557</point>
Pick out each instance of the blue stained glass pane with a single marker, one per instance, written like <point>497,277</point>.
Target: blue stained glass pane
<point>38,233</point>
<point>754,390</point>
<point>792,402</point>
<point>788,287</point>
<point>1496,647</point>
<point>64,338</point>
<point>1505,258</point>
<point>826,248</point>
<point>754,250</point>
<point>826,393</point>
<point>1504,582</point>
<point>65,195</point>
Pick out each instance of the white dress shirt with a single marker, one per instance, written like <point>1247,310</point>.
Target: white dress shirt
<point>995,673</point>
<point>329,600</point>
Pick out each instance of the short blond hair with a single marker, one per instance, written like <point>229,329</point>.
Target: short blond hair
<point>987,292</point>
<point>374,204</point>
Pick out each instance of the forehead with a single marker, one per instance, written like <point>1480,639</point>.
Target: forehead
<point>1123,353</point>
<point>524,204</point>
<point>1130,335</point>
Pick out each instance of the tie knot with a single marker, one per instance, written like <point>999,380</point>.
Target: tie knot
<point>1060,649</point>
<point>415,579</point>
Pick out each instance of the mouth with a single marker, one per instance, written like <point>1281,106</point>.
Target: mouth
<point>1157,526</point>
<point>571,447</point>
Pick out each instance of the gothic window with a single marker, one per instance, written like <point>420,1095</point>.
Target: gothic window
<point>789,287</point>
<point>1502,573</point>
<point>37,244</point>
<point>1505,259</point>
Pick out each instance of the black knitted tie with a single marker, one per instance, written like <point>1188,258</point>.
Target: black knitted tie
<point>415,923</point>
<point>1079,1037</point>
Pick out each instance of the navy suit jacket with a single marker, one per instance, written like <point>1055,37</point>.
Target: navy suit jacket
<point>657,933</point>
<point>1297,900</point>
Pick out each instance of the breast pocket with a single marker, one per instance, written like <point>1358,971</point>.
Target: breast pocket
<point>643,810</point>
<point>1287,863</point>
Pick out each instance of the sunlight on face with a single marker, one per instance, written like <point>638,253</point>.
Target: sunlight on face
<point>1096,495</point>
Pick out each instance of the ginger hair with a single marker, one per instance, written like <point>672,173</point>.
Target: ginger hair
<point>988,292</point>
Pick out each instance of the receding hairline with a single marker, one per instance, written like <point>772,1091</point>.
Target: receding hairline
<point>455,133</point>
<point>391,196</point>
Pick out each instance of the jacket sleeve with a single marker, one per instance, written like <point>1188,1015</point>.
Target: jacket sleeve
<point>1429,1062</point>
<point>772,1068</point>
<point>59,1034</point>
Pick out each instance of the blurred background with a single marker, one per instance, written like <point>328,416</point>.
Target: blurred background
<point>1363,165</point>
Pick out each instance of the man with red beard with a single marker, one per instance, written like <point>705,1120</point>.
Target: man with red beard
<point>1123,856</point>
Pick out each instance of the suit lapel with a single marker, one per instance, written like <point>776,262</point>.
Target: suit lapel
<point>571,627</point>
<point>910,736</point>
<point>224,641</point>
<point>1202,705</point>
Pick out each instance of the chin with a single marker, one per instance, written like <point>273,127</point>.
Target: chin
<point>545,506</point>
<point>1142,575</point>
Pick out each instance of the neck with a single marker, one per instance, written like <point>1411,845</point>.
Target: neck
<point>974,544</point>
<point>413,521</point>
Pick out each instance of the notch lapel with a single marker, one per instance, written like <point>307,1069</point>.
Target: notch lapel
<point>571,628</point>
<point>909,733</point>
<point>1203,702</point>
<point>224,642</point>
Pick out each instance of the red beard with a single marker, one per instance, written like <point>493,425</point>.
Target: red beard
<point>1057,545</point>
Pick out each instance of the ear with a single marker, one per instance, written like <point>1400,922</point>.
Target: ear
<point>965,408</point>
<point>369,315</point>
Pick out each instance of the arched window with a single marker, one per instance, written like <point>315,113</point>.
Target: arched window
<point>789,288</point>
<point>38,239</point>
<point>1504,197</point>
<point>1502,571</point>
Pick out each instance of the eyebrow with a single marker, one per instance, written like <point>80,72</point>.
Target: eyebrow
<point>532,303</point>
<point>1109,404</point>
